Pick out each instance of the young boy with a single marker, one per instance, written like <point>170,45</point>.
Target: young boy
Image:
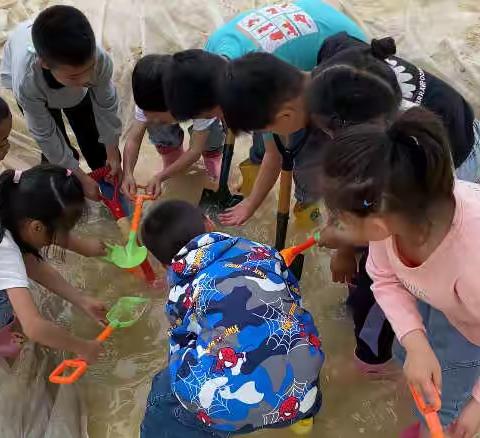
<point>206,135</point>
<point>52,65</point>
<point>292,31</point>
<point>244,354</point>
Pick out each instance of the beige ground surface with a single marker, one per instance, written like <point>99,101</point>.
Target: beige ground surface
<point>442,35</point>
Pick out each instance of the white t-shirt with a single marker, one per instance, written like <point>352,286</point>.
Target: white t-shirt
<point>197,125</point>
<point>12,268</point>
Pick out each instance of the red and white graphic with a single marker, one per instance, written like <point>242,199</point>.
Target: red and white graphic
<point>251,22</point>
<point>179,266</point>
<point>204,418</point>
<point>227,358</point>
<point>187,301</point>
<point>272,26</point>
<point>274,10</point>
<point>289,29</point>
<point>259,253</point>
<point>314,341</point>
<point>303,23</point>
<point>266,29</point>
<point>289,408</point>
<point>297,399</point>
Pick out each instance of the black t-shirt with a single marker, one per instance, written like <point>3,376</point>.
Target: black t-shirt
<point>421,88</point>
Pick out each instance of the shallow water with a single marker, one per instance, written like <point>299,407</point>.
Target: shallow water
<point>115,389</point>
<point>110,399</point>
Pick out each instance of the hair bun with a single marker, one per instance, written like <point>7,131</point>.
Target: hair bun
<point>383,48</point>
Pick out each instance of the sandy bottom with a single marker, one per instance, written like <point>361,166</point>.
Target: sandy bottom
<point>442,35</point>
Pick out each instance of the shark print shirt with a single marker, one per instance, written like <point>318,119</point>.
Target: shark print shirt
<point>420,87</point>
<point>244,353</point>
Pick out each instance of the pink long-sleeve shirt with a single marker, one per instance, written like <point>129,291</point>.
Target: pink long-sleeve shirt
<point>448,280</point>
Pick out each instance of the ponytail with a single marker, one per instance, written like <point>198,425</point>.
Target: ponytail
<point>405,169</point>
<point>383,48</point>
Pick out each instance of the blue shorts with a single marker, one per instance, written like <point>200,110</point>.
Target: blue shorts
<point>165,417</point>
<point>459,359</point>
<point>469,170</point>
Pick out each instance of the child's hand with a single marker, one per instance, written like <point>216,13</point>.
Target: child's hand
<point>154,186</point>
<point>421,367</point>
<point>237,215</point>
<point>129,186</point>
<point>343,266</point>
<point>114,161</point>
<point>93,248</point>
<point>90,351</point>
<point>467,424</point>
<point>95,309</point>
<point>90,188</point>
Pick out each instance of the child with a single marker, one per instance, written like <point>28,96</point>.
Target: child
<point>206,136</point>
<point>395,188</point>
<point>52,65</point>
<point>292,31</point>
<point>244,354</point>
<point>5,128</point>
<point>356,83</point>
<point>360,68</point>
<point>275,91</point>
<point>38,209</point>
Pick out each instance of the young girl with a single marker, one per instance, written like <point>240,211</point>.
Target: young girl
<point>395,188</point>
<point>354,83</point>
<point>5,128</point>
<point>38,209</point>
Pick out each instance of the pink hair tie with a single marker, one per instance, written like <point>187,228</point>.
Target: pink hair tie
<point>17,176</point>
<point>69,172</point>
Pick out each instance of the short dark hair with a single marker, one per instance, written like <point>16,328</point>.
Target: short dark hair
<point>404,169</point>
<point>254,88</point>
<point>169,226</point>
<point>356,86</point>
<point>191,83</point>
<point>62,35</point>
<point>147,82</point>
<point>4,110</point>
<point>47,193</point>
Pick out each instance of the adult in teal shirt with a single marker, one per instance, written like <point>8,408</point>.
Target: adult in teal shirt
<point>292,31</point>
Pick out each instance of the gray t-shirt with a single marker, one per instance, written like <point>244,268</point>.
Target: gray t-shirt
<point>21,72</point>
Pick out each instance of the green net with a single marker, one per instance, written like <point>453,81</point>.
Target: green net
<point>127,311</point>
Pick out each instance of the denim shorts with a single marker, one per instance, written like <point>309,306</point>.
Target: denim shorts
<point>165,417</point>
<point>459,359</point>
<point>470,168</point>
<point>6,309</point>
<point>173,135</point>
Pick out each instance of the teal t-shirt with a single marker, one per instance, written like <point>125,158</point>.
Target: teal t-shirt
<point>292,31</point>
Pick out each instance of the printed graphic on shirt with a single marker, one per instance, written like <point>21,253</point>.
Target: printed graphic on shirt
<point>411,79</point>
<point>273,26</point>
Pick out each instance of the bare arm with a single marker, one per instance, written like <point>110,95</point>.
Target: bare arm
<point>198,142</point>
<point>45,332</point>
<point>130,156</point>
<point>44,274</point>
<point>267,176</point>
